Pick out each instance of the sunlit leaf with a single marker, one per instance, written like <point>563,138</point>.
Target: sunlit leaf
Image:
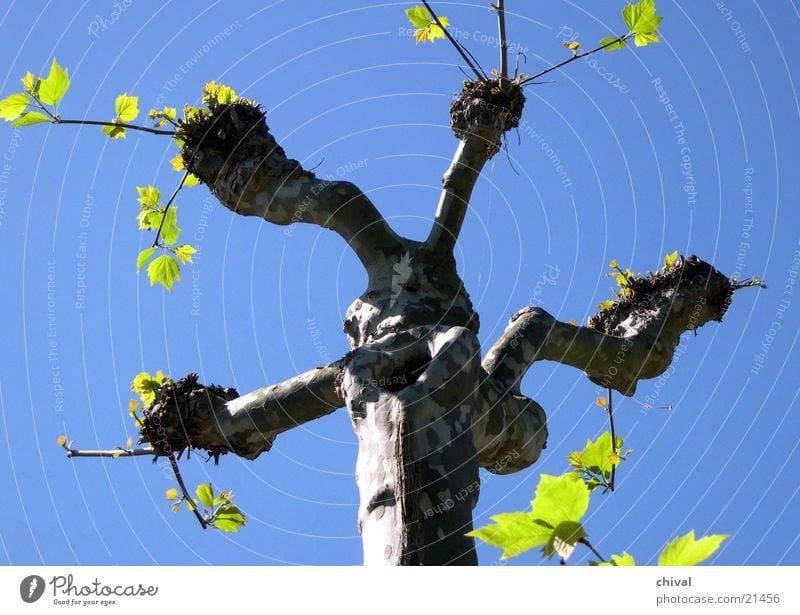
<point>184,253</point>
<point>126,107</point>
<point>205,494</point>
<point>169,228</point>
<point>62,440</point>
<point>610,43</point>
<point>145,386</point>
<point>686,551</point>
<point>228,519</point>
<point>670,259</point>
<point>559,498</point>
<point>12,106</point>
<point>144,256</point>
<point>28,118</point>
<point>148,196</point>
<point>114,132</point>
<point>164,270</point>
<point>514,533</point>
<point>52,89</point>
<point>626,559</point>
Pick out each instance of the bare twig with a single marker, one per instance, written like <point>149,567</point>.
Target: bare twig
<point>578,56</point>
<point>461,50</point>
<point>118,452</point>
<point>610,411</point>
<point>152,131</point>
<point>585,542</point>
<point>176,470</point>
<point>501,26</point>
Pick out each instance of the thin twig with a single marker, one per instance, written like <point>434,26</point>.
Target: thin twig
<point>578,56</point>
<point>119,452</point>
<point>585,542</point>
<point>501,26</point>
<point>610,411</point>
<point>176,470</point>
<point>462,52</point>
<point>152,131</point>
<point>166,209</point>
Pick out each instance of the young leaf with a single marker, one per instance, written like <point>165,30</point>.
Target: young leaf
<point>148,219</point>
<point>418,16</point>
<point>12,106</point>
<point>611,43</point>
<point>30,83</point>
<point>184,253</point>
<point>62,440</point>
<point>216,93</point>
<point>28,118</point>
<point>171,494</point>
<point>114,132</point>
<point>559,498</point>
<point>514,533</point>
<point>626,559</point>
<point>641,16</point>
<point>669,260</point>
<point>605,305</point>
<point>686,551</point>
<point>573,46</point>
<point>228,519</point>
<point>205,494</point>
<point>127,108</point>
<point>643,39</point>
<point>598,455</point>
<point>148,196</point>
<point>169,228</point>
<point>52,89</point>
<point>145,386</point>
<point>164,270</point>
<point>144,256</point>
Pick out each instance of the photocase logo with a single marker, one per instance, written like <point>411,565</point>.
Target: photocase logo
<point>402,272</point>
<point>31,588</point>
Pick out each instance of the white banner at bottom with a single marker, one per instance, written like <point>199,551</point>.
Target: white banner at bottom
<point>317,590</point>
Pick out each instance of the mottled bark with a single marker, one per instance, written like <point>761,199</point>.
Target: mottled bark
<point>636,339</point>
<point>218,420</point>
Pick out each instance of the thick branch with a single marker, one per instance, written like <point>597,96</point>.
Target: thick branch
<point>479,117</point>
<point>232,151</point>
<point>641,331</point>
<point>188,414</point>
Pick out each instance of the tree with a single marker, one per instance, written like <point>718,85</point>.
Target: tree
<point>428,410</point>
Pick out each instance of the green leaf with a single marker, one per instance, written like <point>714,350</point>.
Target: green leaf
<point>563,538</point>
<point>418,16</point>
<point>176,162</point>
<point>686,551</point>
<point>514,533</point>
<point>669,260</point>
<point>610,44</point>
<point>146,386</point>
<point>626,559</point>
<point>144,256</point>
<point>149,196</point>
<point>30,83</point>
<point>171,494</point>
<point>191,180</point>
<point>126,107</point>
<point>644,39</point>
<point>148,219</point>
<point>164,270</point>
<point>205,494</point>
<point>114,132</point>
<point>597,456</point>
<point>228,519</point>
<point>12,106</point>
<point>169,228</point>
<point>605,305</point>
<point>29,118</point>
<point>53,88</point>
<point>560,498</point>
<point>184,253</point>
<point>641,17</point>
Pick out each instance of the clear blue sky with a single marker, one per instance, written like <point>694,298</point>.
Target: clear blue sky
<point>347,90</point>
